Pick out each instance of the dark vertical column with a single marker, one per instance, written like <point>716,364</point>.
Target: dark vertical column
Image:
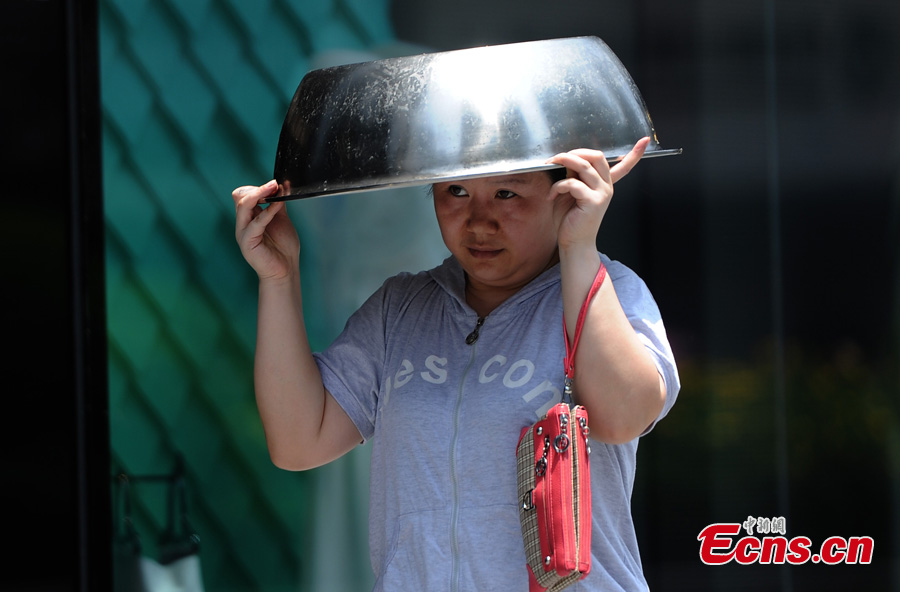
<point>55,494</point>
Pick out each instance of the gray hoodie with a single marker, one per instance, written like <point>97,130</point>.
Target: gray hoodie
<point>444,417</point>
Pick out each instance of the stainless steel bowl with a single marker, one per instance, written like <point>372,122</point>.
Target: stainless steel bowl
<point>449,115</point>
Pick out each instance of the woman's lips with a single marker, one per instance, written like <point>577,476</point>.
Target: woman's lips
<point>483,253</point>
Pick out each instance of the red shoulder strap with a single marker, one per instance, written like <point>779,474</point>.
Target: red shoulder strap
<point>579,325</point>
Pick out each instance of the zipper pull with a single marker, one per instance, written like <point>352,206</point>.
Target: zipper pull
<point>473,336</point>
<point>561,442</point>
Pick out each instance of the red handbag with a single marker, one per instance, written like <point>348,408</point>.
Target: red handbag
<point>555,492</point>
<point>554,484</point>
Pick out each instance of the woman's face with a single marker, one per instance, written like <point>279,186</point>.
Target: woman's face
<point>502,229</point>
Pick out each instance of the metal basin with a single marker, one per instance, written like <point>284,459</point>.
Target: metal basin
<point>450,115</point>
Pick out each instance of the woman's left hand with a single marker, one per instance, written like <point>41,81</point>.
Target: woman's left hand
<point>583,197</point>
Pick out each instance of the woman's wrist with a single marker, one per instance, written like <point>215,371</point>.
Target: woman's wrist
<point>580,256</point>
<point>275,284</point>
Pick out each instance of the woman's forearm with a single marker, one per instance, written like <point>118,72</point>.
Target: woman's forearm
<point>615,378</point>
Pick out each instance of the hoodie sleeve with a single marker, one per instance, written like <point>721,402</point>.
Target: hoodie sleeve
<point>352,366</point>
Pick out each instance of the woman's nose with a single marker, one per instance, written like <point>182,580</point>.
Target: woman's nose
<point>481,216</point>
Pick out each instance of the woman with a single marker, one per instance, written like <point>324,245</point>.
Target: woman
<point>442,369</point>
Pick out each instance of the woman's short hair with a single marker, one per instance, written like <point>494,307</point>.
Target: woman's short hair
<point>556,174</point>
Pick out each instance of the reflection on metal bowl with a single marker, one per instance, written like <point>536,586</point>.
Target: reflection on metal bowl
<point>449,115</point>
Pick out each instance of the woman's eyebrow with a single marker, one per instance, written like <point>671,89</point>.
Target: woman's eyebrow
<point>509,180</point>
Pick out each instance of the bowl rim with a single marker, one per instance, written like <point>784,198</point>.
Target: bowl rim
<point>426,180</point>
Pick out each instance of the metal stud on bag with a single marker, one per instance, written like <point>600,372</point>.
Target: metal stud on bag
<point>587,432</point>
<point>540,467</point>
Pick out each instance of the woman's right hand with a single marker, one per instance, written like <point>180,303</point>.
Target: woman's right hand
<point>266,236</point>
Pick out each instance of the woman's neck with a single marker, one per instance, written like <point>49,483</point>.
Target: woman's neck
<point>483,299</point>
